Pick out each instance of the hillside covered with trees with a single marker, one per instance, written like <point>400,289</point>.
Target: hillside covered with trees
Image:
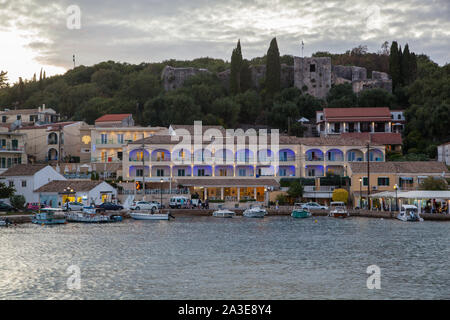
<point>421,87</point>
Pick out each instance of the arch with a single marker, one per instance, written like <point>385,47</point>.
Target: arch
<point>244,156</point>
<point>354,155</point>
<point>202,155</point>
<point>286,155</point>
<point>161,155</point>
<point>181,155</point>
<point>314,171</point>
<point>265,155</point>
<point>139,171</point>
<point>224,171</point>
<point>223,156</point>
<point>286,171</point>
<point>335,155</point>
<point>314,155</point>
<point>138,155</point>
<point>52,138</point>
<point>52,154</point>
<point>375,155</point>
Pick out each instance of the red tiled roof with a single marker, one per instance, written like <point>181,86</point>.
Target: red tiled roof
<point>357,114</point>
<point>401,167</point>
<point>113,117</point>
<point>381,138</point>
<point>51,126</point>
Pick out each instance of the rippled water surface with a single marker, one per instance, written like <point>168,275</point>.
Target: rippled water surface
<point>210,258</point>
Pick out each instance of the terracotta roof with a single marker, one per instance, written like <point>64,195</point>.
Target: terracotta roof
<point>76,185</point>
<point>357,114</point>
<point>383,138</point>
<point>190,128</point>
<point>113,117</point>
<point>228,182</point>
<point>400,167</point>
<point>333,141</point>
<point>23,170</point>
<point>27,111</point>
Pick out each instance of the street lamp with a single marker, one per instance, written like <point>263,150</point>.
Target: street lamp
<point>360,193</point>
<point>266,195</point>
<point>396,197</point>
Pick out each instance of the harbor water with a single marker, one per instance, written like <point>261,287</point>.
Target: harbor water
<point>238,258</point>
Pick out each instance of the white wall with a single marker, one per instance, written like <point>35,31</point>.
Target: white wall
<point>95,193</point>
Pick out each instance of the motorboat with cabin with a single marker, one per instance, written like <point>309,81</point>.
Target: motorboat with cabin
<point>91,215</point>
<point>300,212</point>
<point>409,213</point>
<point>49,216</point>
<point>255,212</point>
<point>223,213</point>
<point>338,209</point>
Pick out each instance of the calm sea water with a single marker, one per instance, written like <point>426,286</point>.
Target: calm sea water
<point>211,258</point>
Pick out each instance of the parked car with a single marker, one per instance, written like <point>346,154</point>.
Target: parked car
<point>34,206</point>
<point>6,207</point>
<point>158,204</point>
<point>178,202</point>
<point>73,206</point>
<point>144,205</point>
<point>109,206</point>
<point>314,206</point>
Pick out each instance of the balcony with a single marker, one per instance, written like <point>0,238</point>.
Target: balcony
<point>106,160</point>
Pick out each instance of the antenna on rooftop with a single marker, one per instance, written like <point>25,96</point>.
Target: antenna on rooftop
<point>74,61</point>
<point>303,47</point>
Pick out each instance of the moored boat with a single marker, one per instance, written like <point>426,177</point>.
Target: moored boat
<point>338,210</point>
<point>91,215</point>
<point>255,212</point>
<point>300,212</point>
<point>49,216</point>
<point>223,213</point>
<point>409,213</point>
<point>4,223</point>
<point>150,216</point>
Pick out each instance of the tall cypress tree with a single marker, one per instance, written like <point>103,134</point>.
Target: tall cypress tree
<point>273,68</point>
<point>236,67</point>
<point>395,65</point>
<point>413,66</point>
<point>406,66</point>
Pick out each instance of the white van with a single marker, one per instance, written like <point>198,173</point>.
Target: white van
<point>178,202</point>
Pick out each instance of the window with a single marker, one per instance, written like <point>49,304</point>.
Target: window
<point>160,172</point>
<point>104,156</point>
<point>383,181</point>
<point>11,184</point>
<point>242,172</point>
<point>120,138</point>
<point>120,155</point>
<point>201,173</point>
<point>181,172</point>
<point>4,118</point>
<point>223,172</point>
<point>3,163</point>
<point>19,117</point>
<point>365,182</point>
<point>139,172</point>
<point>9,163</point>
<point>312,68</point>
<point>24,183</point>
<point>104,138</point>
<point>282,172</point>
<point>399,117</point>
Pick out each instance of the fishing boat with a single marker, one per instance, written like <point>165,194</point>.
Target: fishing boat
<point>49,216</point>
<point>150,216</point>
<point>223,213</point>
<point>91,215</point>
<point>255,212</point>
<point>300,212</point>
<point>338,210</point>
<point>4,223</point>
<point>409,213</point>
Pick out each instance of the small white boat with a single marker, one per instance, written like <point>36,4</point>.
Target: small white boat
<point>255,212</point>
<point>338,210</point>
<point>4,223</point>
<point>83,217</point>
<point>150,216</point>
<point>409,213</point>
<point>223,213</point>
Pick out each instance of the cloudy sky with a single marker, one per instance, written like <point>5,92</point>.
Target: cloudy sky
<point>43,33</point>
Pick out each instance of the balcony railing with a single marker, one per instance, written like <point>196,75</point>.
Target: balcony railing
<point>106,160</point>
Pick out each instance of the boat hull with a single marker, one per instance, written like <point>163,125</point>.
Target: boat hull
<point>148,216</point>
<point>300,214</point>
<point>409,218</point>
<point>223,215</point>
<point>49,222</point>
<point>260,214</point>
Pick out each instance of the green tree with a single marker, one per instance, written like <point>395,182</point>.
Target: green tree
<point>340,195</point>
<point>295,190</point>
<point>273,68</point>
<point>395,65</point>
<point>235,72</point>
<point>6,192</point>
<point>406,66</point>
<point>375,98</point>
<point>17,201</point>
<point>3,79</point>
<point>433,183</point>
<point>341,95</point>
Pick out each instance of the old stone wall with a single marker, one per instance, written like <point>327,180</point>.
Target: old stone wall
<point>313,75</point>
<point>174,78</point>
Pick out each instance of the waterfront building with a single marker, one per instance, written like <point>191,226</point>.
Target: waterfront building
<point>235,171</point>
<point>384,176</point>
<point>56,193</point>
<point>105,141</point>
<point>26,178</point>
<point>41,115</point>
<point>444,153</point>
<point>335,121</point>
<point>53,142</point>
<point>392,141</point>
<point>12,149</point>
